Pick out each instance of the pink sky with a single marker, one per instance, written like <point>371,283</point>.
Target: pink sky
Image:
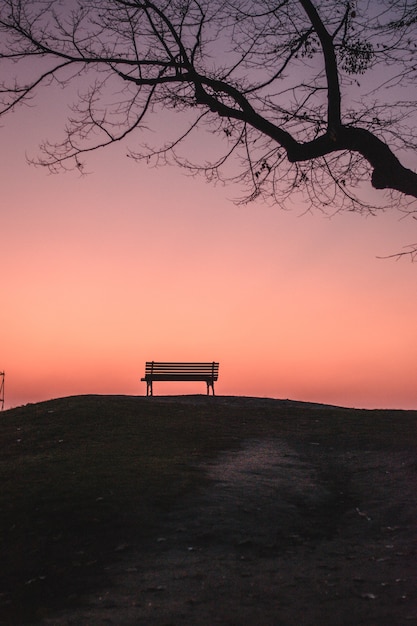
<point>103,272</point>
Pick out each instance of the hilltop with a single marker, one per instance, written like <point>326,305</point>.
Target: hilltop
<point>198,510</point>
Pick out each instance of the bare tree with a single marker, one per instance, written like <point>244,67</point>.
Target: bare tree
<point>316,97</point>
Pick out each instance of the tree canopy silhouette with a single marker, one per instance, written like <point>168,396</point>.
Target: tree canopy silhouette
<point>308,96</point>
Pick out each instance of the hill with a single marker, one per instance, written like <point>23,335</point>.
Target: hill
<point>201,510</point>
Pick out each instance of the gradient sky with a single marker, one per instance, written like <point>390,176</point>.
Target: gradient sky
<point>103,272</point>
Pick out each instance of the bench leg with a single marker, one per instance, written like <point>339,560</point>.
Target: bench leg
<point>149,390</point>
<point>210,384</point>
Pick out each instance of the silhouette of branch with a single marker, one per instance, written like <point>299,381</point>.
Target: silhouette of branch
<point>270,79</point>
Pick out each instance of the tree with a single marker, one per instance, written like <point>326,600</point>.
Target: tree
<point>318,99</point>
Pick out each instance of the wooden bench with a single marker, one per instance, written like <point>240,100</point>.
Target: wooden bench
<point>156,370</point>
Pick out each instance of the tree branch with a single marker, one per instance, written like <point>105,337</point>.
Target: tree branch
<point>167,55</point>
<point>330,62</point>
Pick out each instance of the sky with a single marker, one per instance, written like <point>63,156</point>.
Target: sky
<point>103,272</point>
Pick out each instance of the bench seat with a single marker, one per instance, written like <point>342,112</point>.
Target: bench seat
<point>207,372</point>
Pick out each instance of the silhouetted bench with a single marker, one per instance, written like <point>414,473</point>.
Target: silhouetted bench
<point>163,371</point>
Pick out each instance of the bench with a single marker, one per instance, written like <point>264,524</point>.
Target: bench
<point>163,371</point>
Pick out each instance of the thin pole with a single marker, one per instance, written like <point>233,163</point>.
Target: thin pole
<point>2,390</point>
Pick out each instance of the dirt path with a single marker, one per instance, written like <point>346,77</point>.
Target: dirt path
<point>279,536</point>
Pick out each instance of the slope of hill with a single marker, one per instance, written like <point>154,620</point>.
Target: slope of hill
<point>197,510</point>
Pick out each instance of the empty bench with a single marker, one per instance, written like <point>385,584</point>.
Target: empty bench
<point>164,371</point>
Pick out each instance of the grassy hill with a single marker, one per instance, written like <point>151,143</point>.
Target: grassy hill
<point>84,477</point>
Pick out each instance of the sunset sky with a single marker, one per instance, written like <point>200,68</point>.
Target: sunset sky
<point>102,272</point>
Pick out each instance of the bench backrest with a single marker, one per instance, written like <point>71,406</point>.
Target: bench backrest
<point>164,368</point>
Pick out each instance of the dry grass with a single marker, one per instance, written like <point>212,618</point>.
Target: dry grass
<point>84,476</point>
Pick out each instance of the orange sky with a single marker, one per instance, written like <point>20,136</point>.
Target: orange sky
<point>103,272</point>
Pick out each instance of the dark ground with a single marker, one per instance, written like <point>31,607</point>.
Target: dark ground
<point>198,511</point>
